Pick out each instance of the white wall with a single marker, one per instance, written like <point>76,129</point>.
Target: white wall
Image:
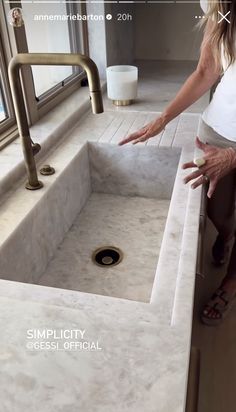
<point>97,38</point>
<point>120,35</point>
<point>111,42</point>
<point>166,31</point>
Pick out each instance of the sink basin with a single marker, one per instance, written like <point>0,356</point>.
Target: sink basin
<point>107,197</point>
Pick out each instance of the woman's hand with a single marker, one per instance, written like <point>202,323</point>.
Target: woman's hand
<point>218,163</point>
<point>150,130</point>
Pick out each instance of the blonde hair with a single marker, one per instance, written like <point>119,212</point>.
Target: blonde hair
<point>222,36</point>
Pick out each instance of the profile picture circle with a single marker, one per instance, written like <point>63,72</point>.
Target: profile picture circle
<point>16,17</point>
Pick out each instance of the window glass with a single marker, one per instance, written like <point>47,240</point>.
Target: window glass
<point>3,111</point>
<point>45,35</point>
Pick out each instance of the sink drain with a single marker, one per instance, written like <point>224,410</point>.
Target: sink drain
<point>107,256</point>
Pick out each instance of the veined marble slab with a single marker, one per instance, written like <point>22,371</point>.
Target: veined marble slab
<point>144,362</point>
<point>31,232</point>
<point>135,225</point>
<point>136,370</point>
<point>132,170</point>
<point>127,171</point>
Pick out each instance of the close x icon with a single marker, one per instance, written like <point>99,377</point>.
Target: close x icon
<point>223,17</point>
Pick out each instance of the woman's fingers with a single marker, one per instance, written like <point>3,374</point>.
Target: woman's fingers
<point>142,139</point>
<point>188,165</point>
<point>133,136</point>
<point>198,182</point>
<point>193,175</point>
<point>218,162</point>
<point>149,130</point>
<point>212,186</point>
<point>201,145</point>
<point>138,141</point>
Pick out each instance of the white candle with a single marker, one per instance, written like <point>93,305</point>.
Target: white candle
<point>122,82</point>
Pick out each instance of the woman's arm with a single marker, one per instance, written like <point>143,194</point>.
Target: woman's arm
<point>200,81</point>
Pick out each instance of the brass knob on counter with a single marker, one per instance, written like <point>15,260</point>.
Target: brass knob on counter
<point>47,170</point>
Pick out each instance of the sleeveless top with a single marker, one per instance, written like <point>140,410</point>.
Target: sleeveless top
<point>220,114</point>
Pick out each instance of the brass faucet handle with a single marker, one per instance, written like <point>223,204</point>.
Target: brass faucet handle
<point>36,148</point>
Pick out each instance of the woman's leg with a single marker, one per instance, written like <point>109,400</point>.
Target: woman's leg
<point>231,270</point>
<point>221,211</point>
<point>221,207</point>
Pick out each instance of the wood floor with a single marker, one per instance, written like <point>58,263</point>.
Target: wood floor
<point>217,344</point>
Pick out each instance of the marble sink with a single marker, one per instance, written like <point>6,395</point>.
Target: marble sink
<point>140,311</point>
<point>106,196</point>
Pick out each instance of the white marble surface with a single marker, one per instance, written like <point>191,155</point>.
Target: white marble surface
<point>127,374</point>
<point>39,220</point>
<point>159,81</point>
<point>135,225</point>
<point>133,170</point>
<point>143,363</point>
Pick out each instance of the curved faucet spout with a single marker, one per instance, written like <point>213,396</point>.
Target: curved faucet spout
<point>46,59</point>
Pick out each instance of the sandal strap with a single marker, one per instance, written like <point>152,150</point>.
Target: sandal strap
<point>225,300</point>
<point>218,292</point>
<point>217,306</point>
<point>223,295</point>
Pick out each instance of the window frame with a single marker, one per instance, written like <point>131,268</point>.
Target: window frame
<point>38,107</point>
<point>8,126</point>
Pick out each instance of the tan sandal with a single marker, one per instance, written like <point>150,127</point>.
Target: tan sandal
<point>221,308</point>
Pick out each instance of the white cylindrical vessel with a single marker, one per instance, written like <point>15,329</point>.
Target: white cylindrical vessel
<point>122,84</point>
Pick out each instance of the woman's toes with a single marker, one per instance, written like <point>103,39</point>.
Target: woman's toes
<point>206,311</point>
<point>211,313</point>
<point>216,315</point>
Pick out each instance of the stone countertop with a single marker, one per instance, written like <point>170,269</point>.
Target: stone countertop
<point>158,83</point>
<point>143,361</point>
<point>139,367</point>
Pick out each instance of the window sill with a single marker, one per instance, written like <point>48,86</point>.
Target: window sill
<point>48,132</point>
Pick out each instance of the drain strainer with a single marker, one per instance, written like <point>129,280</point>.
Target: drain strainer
<point>107,256</point>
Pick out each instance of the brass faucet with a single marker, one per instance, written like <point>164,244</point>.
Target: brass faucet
<point>46,59</point>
